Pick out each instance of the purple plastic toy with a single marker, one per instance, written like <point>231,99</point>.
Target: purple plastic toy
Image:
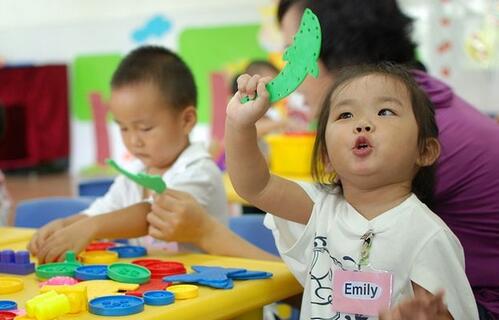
<point>16,262</point>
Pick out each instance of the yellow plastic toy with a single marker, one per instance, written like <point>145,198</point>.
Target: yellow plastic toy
<point>184,291</point>
<point>99,257</point>
<point>30,304</point>
<point>10,285</point>
<point>291,154</point>
<point>77,296</point>
<point>99,288</point>
<point>47,306</point>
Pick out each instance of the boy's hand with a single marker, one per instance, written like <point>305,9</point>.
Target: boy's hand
<point>40,237</point>
<point>177,216</point>
<point>248,113</point>
<point>419,308</point>
<point>74,237</point>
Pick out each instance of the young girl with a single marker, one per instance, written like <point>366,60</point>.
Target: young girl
<point>369,242</point>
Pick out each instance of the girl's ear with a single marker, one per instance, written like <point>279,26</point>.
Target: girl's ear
<point>430,153</point>
<point>188,118</point>
<point>328,167</point>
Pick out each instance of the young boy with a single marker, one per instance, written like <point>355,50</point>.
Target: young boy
<point>153,100</point>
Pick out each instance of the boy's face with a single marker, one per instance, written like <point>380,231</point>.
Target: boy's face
<point>372,133</point>
<point>151,130</point>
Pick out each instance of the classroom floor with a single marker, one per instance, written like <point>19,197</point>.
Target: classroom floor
<point>36,185</point>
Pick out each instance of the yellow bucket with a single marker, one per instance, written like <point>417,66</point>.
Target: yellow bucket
<point>291,154</point>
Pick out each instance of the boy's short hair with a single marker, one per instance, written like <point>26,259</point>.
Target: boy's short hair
<point>161,67</point>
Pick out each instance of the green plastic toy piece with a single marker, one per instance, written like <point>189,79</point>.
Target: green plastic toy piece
<point>70,257</point>
<point>148,181</point>
<point>128,273</point>
<point>66,268</point>
<point>301,56</point>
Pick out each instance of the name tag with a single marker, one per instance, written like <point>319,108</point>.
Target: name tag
<point>365,293</point>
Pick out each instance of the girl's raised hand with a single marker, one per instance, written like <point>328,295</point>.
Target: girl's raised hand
<point>246,114</point>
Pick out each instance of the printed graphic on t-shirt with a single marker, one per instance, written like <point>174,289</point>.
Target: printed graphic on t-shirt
<point>321,275</point>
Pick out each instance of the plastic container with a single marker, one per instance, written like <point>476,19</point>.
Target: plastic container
<point>291,154</point>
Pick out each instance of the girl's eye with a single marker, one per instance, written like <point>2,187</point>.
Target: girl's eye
<point>386,112</point>
<point>122,129</point>
<point>345,115</point>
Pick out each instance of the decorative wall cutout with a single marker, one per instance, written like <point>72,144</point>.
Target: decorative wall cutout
<point>157,26</point>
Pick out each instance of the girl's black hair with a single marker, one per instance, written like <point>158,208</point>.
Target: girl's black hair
<point>424,181</point>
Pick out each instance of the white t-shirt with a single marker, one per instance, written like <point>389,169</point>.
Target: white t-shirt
<point>193,172</point>
<point>410,241</point>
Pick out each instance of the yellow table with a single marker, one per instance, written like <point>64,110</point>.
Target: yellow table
<point>10,235</point>
<point>244,301</point>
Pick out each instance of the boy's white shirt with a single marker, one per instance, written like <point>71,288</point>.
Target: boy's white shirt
<point>410,241</point>
<point>193,172</point>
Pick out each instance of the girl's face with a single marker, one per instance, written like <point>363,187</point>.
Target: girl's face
<point>372,134</point>
<point>151,130</point>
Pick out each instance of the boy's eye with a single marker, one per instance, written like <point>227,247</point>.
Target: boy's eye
<point>122,129</point>
<point>345,115</point>
<point>386,112</point>
<point>145,129</point>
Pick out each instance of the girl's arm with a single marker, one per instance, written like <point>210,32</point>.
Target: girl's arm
<point>247,168</point>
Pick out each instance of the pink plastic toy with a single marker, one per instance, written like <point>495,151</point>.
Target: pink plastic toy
<point>59,281</point>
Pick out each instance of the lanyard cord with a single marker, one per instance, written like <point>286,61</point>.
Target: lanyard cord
<point>366,248</point>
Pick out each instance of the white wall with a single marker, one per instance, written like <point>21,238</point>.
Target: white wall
<point>475,82</point>
<point>58,30</point>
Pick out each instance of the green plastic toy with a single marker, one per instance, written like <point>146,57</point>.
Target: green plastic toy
<point>301,56</point>
<point>128,273</point>
<point>66,268</point>
<point>148,181</point>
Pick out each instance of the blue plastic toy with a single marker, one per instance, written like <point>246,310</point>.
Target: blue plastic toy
<point>91,272</point>
<point>116,305</point>
<point>129,251</point>
<point>217,281</point>
<point>8,305</point>
<point>158,297</point>
<point>251,275</point>
<point>16,262</point>
<point>217,277</point>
